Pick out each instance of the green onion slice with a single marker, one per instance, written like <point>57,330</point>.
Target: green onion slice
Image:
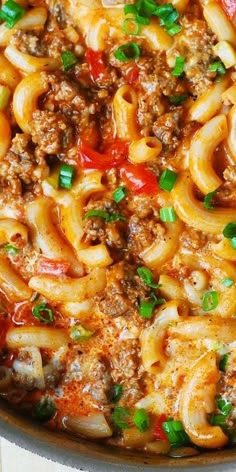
<point>68,60</point>
<point>218,420</point>
<point>116,393</point>
<point>128,52</point>
<point>233,242</point>
<point>147,277</point>
<point>79,333</point>
<point>210,300</point>
<point>119,194</point>
<point>11,250</point>
<point>146,307</point>
<point>105,215</point>
<point>227,282</point>
<point>224,406</point>
<point>179,66</point>
<point>175,433</point>
<point>4,96</point>
<point>229,230</point>
<point>44,409</point>
<point>177,99</point>
<point>141,420</point>
<point>217,67</point>
<point>120,417</point>
<point>223,362</point>
<point>66,176</point>
<point>42,313</point>
<point>174,29</point>
<point>168,215</point>
<point>131,26</point>
<point>11,12</point>
<point>207,202</point>
<point>167,180</point>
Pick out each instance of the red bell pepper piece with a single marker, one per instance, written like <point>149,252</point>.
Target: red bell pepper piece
<point>158,432</point>
<point>52,267</point>
<point>132,74</point>
<point>96,64</point>
<point>139,179</point>
<point>112,157</point>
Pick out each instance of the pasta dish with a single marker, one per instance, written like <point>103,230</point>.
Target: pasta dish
<point>118,219</point>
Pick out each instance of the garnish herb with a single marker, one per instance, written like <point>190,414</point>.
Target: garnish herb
<point>131,26</point>
<point>120,417</point>
<point>207,202</point>
<point>119,194</point>
<point>210,300</point>
<point>177,99</point>
<point>128,52</point>
<point>44,409</point>
<point>68,60</point>
<point>218,420</point>
<point>42,313</point>
<point>147,277</point>
<point>66,176</point>
<point>223,362</point>
<point>168,215</point>
<point>146,307</point>
<point>116,393</point>
<point>167,180</point>
<point>175,432</point>
<point>79,333</point>
<point>227,282</point>
<point>217,67</point>
<point>141,420</point>
<point>11,12</point>
<point>105,215</point>
<point>11,250</point>
<point>229,230</point>
<point>224,406</point>
<point>179,66</point>
<point>4,96</point>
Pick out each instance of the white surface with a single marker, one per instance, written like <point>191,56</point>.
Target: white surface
<point>15,459</point>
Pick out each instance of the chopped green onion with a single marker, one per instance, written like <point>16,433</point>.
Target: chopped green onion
<point>68,60</point>
<point>79,333</point>
<point>4,96</point>
<point>44,409</point>
<point>128,52</point>
<point>167,180</point>
<point>11,12</point>
<point>217,67</point>
<point>179,66</point>
<point>131,26</point>
<point>120,416</point>
<point>116,393</point>
<point>130,9</point>
<point>168,215</point>
<point>210,300</point>
<point>218,420</point>
<point>224,406</point>
<point>173,29</point>
<point>105,215</point>
<point>177,99</point>
<point>216,346</point>
<point>119,194</point>
<point>175,433</point>
<point>42,313</point>
<point>11,250</point>
<point>229,230</point>
<point>167,13</point>
<point>66,176</point>
<point>145,8</point>
<point>146,307</point>
<point>233,242</point>
<point>141,420</point>
<point>223,362</point>
<point>147,277</point>
<point>207,202</point>
<point>227,282</point>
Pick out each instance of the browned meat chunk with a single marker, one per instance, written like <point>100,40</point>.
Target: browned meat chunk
<point>51,132</point>
<point>167,129</point>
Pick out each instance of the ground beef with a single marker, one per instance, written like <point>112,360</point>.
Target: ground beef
<point>126,370</point>
<point>123,291</point>
<point>51,131</point>
<point>193,239</point>
<point>24,166</point>
<point>142,233</point>
<point>29,43</point>
<point>167,128</point>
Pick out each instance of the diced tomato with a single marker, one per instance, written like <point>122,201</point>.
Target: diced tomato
<point>96,64</point>
<point>158,432</point>
<point>52,267</point>
<point>229,7</point>
<point>139,179</point>
<point>132,74</point>
<point>113,157</point>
